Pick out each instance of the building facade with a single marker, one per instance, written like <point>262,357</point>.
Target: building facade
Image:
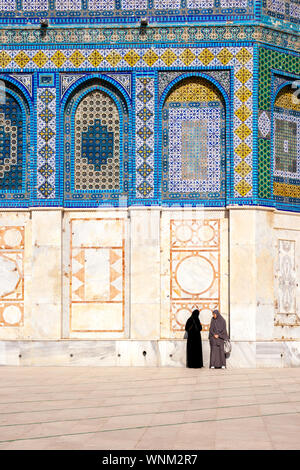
<point>149,164</point>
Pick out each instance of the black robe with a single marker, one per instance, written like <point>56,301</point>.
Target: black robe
<point>217,353</point>
<point>194,357</point>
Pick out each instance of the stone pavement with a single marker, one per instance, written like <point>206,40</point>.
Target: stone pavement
<point>149,408</point>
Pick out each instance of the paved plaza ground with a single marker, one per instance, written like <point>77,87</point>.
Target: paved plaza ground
<point>149,408</point>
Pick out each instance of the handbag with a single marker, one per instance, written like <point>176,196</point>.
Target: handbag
<point>227,346</point>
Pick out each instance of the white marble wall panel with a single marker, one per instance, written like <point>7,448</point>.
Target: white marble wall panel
<point>264,266</point>
<point>96,275</point>
<point>145,274</point>
<point>45,292</point>
<point>243,274</point>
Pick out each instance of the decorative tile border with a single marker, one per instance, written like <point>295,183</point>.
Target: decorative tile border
<point>46,148</point>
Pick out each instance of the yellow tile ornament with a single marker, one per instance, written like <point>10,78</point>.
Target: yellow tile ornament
<point>225,56</point>
<point>243,93</point>
<point>187,57</point>
<point>58,59</point>
<point>243,131</point>
<point>131,58</point>
<point>243,150</point>
<point>243,56</point>
<point>77,58</point>
<point>21,59</point>
<point>150,58</point>
<point>206,56</point>
<point>113,58</point>
<point>95,58</point>
<point>243,113</point>
<point>168,57</point>
<point>243,188</point>
<point>243,169</point>
<point>243,75</point>
<point>4,59</point>
<point>40,59</point>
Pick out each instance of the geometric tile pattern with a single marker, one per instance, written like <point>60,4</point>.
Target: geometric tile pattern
<point>97,143</point>
<point>145,115</point>
<point>46,147</point>
<point>25,79</point>
<point>11,144</point>
<point>183,35</point>
<point>81,58</point>
<point>287,10</point>
<point>195,270</point>
<point>239,59</point>
<point>193,159</point>
<point>195,155</point>
<point>120,8</point>
<point>11,276</point>
<point>286,187</point>
<point>286,145</point>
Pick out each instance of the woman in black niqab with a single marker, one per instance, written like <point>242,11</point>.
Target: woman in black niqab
<point>193,328</point>
<point>217,336</point>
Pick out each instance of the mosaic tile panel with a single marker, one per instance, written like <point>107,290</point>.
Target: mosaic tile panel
<point>121,8</point>
<point>195,270</point>
<point>193,153</point>
<point>286,187</point>
<point>134,4</point>
<point>11,145</point>
<point>145,139</point>
<point>286,10</point>
<point>238,59</point>
<point>154,35</point>
<point>286,143</point>
<point>35,5</point>
<point>7,5</point>
<point>68,5</point>
<point>196,150</point>
<point>96,144</point>
<point>11,276</point>
<point>46,143</point>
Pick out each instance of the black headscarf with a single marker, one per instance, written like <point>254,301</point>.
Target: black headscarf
<point>194,322</point>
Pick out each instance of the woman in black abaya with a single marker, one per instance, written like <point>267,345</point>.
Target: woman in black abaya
<point>217,336</point>
<point>193,328</point>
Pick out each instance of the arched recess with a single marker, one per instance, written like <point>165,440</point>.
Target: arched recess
<point>193,144</point>
<point>96,145</point>
<point>15,137</point>
<point>286,145</point>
